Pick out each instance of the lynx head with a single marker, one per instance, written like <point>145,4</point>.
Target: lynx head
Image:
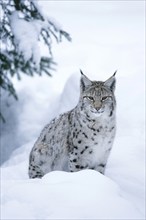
<point>96,97</point>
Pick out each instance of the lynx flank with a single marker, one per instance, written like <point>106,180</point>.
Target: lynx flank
<point>81,138</point>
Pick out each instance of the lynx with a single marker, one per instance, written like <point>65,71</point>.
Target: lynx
<point>81,138</point>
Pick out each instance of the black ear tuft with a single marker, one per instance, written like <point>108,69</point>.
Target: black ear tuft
<point>115,73</point>
<point>81,72</point>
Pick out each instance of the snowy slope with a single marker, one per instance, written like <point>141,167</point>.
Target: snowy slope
<point>106,36</point>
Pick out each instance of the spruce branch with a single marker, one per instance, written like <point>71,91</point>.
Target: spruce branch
<point>12,60</point>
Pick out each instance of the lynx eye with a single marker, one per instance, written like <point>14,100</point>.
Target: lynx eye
<point>89,98</point>
<point>105,98</point>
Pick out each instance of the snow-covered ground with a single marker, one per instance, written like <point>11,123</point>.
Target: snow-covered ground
<point>107,35</point>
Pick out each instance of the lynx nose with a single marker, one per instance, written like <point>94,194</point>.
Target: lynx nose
<point>97,105</point>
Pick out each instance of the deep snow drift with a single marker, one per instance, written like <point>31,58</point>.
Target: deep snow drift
<point>59,195</point>
<point>111,37</point>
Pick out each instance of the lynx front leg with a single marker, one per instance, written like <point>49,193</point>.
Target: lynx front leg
<point>35,172</point>
<point>101,168</point>
<point>39,161</point>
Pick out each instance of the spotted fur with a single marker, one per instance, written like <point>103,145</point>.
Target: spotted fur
<point>81,138</point>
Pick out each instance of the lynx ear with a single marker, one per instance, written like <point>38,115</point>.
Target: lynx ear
<point>85,82</point>
<point>111,82</point>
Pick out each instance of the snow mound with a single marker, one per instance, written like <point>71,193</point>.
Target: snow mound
<point>82,195</point>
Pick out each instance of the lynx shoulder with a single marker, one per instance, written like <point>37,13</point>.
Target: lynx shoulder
<point>81,138</point>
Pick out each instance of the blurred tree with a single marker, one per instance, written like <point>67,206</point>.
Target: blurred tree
<point>23,25</point>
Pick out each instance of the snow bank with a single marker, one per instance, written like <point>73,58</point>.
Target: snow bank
<point>59,195</point>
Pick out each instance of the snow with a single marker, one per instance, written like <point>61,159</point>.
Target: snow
<point>44,14</point>
<point>60,195</point>
<point>111,37</point>
<point>27,33</point>
<point>26,37</point>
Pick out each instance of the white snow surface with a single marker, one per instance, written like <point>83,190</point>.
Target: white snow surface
<point>106,35</point>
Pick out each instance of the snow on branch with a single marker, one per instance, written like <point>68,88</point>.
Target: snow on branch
<point>23,26</point>
<point>26,34</point>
